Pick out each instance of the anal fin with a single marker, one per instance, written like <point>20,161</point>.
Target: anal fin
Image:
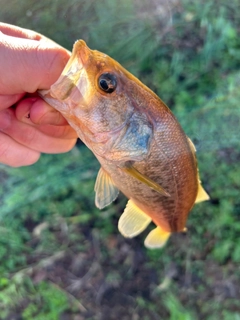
<point>157,238</point>
<point>133,221</point>
<point>106,191</point>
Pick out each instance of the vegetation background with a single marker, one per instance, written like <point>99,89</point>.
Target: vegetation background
<point>61,258</point>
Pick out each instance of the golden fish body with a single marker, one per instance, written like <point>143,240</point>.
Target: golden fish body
<point>140,145</point>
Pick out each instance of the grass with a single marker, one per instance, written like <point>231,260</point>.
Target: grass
<point>62,258</point>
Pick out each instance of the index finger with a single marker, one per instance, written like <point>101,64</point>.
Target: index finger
<point>28,64</point>
<point>14,31</point>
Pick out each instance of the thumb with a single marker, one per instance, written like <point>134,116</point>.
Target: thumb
<point>27,65</point>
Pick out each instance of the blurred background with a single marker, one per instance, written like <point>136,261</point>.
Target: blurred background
<point>62,258</point>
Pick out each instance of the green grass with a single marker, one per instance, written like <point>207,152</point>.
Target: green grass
<point>60,256</point>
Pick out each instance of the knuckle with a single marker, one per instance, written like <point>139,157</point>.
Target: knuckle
<point>4,148</point>
<point>53,59</point>
<point>28,136</point>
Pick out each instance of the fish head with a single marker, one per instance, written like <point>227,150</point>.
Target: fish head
<point>98,98</point>
<point>91,91</point>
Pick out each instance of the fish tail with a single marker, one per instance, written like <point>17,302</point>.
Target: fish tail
<point>157,238</point>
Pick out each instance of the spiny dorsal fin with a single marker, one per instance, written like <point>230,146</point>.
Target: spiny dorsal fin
<point>157,238</point>
<point>202,194</point>
<point>106,191</point>
<point>133,221</point>
<point>129,169</point>
<point>192,146</point>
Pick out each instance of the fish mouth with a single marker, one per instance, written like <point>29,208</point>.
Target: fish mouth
<point>78,59</point>
<point>81,51</point>
<point>71,84</point>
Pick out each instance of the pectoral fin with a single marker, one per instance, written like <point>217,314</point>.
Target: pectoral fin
<point>133,221</point>
<point>144,179</point>
<point>202,194</point>
<point>156,238</point>
<point>106,191</point>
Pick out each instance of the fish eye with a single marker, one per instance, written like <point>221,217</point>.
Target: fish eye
<point>107,82</point>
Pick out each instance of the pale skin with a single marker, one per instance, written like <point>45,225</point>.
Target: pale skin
<point>28,125</point>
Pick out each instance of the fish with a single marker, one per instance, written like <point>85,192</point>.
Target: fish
<point>140,145</point>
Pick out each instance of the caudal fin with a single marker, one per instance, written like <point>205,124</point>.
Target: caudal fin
<point>157,238</point>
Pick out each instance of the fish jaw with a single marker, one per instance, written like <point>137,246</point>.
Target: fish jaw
<point>69,90</point>
<point>73,80</point>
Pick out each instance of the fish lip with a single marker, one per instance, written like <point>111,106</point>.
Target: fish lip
<point>82,50</point>
<point>71,82</point>
<point>75,65</point>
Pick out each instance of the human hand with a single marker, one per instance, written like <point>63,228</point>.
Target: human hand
<point>28,125</point>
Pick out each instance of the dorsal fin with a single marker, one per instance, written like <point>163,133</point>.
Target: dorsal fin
<point>106,191</point>
<point>133,221</point>
<point>202,194</point>
<point>192,146</point>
